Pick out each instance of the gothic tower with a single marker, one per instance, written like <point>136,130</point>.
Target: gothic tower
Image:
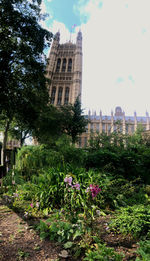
<point>65,71</point>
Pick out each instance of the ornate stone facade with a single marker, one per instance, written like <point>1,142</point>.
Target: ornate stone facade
<point>65,71</point>
<point>115,122</point>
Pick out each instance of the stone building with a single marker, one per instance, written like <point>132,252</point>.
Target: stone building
<point>65,73</point>
<point>115,122</point>
<point>65,70</point>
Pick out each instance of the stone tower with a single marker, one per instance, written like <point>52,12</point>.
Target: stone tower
<point>64,70</point>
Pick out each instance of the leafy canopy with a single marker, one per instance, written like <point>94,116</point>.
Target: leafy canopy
<point>73,120</point>
<point>22,64</point>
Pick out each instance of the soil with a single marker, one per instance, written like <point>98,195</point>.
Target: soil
<point>19,241</point>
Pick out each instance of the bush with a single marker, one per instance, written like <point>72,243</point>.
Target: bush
<point>50,188</point>
<point>132,220</point>
<point>30,159</point>
<point>102,158</point>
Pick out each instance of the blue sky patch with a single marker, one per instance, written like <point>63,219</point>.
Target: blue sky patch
<point>63,11</point>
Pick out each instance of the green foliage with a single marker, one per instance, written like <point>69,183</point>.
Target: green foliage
<point>102,158</point>
<point>60,231</point>
<point>22,76</point>
<point>49,125</point>
<point>144,251</point>
<point>22,254</point>
<point>43,229</point>
<point>75,157</point>
<point>102,253</point>
<point>31,159</point>
<point>119,192</point>
<point>73,224</point>
<point>50,188</point>
<point>120,154</point>
<point>73,120</point>
<point>133,220</point>
<point>13,176</point>
<point>22,64</point>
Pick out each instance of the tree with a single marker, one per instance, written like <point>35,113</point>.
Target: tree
<point>48,127</point>
<point>22,64</point>
<point>53,122</point>
<point>74,123</point>
<point>19,131</point>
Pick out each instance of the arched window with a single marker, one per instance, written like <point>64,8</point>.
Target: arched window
<point>53,95</point>
<point>66,95</point>
<point>70,65</point>
<point>64,65</point>
<point>58,65</point>
<point>59,95</point>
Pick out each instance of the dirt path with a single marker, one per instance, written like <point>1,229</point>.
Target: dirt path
<point>18,241</point>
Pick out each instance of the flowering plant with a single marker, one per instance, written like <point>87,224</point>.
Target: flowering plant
<point>94,189</point>
<point>72,197</point>
<point>68,181</point>
<point>90,210</point>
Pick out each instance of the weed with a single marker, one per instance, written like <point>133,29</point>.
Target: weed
<point>22,254</point>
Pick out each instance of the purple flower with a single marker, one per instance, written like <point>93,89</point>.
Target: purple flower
<point>77,186</point>
<point>68,180</point>
<point>16,195</point>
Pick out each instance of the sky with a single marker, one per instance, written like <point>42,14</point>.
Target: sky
<point>116,50</point>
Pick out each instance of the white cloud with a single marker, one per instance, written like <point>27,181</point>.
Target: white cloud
<point>114,46</point>
<point>44,11</point>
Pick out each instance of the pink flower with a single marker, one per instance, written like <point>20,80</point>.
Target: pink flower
<point>77,186</point>
<point>94,190</point>
<point>31,205</point>
<point>68,180</point>
<point>13,182</point>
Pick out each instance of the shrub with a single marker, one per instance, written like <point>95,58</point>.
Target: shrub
<point>132,220</point>
<point>30,159</point>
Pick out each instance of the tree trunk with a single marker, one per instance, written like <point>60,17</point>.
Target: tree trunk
<point>4,162</point>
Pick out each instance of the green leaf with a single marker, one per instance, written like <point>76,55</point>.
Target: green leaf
<point>77,234</point>
<point>69,244</point>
